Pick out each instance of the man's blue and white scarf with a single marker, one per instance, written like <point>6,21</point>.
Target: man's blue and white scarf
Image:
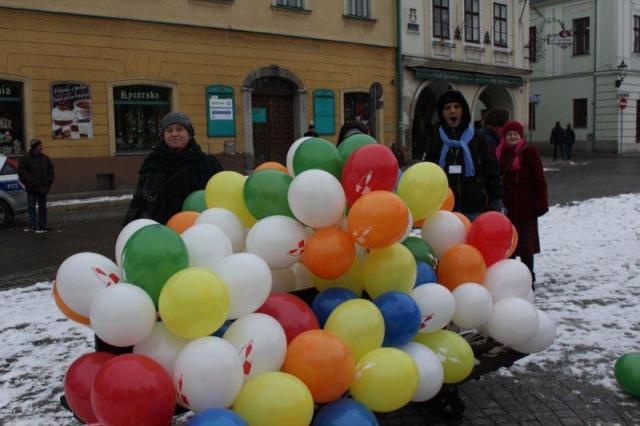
<point>469,169</point>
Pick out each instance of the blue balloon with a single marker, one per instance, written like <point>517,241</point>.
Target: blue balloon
<point>401,317</point>
<point>345,412</point>
<point>326,301</point>
<point>217,417</point>
<point>223,328</point>
<point>426,274</point>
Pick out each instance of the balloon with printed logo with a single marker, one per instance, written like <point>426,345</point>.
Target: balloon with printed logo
<point>543,337</point>
<point>437,306</point>
<point>443,230</point>
<point>125,388</point>
<point>228,222</point>
<point>207,245</point>
<point>508,278</point>
<point>389,269</point>
<point>275,399</point>
<point>260,341</point>
<point>454,352</point>
<point>378,219</point>
<point>162,346</point>
<point>513,321</point>
<point>352,280</point>
<point>473,305</point>
<point>386,380</point>
<point>182,221</point>
<point>279,240</point>
<point>207,374</point>
<point>194,303</point>
<point>291,312</point>
<point>430,371</point>
<point>317,199</point>
<point>225,190</point>
<point>195,202</point>
<point>327,300</point>
<point>359,323</point>
<point>271,165</point>
<point>81,277</point>
<point>265,193</point>
<point>423,187</point>
<point>78,381</point>
<point>425,274</point>
<point>317,153</point>
<point>345,412</point>
<point>292,151</point>
<point>323,362</point>
<point>369,168</point>
<point>217,417</point>
<point>492,234</point>
<point>351,144</point>
<point>421,251</point>
<point>127,232</point>
<point>401,317</point>
<point>449,202</point>
<point>329,253</point>
<point>461,264</point>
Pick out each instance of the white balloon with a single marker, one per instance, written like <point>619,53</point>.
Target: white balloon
<point>292,151</point>
<point>122,315</point>
<point>303,276</point>
<point>513,321</point>
<point>279,240</point>
<point>207,374</point>
<point>543,338</point>
<point>207,245</point>
<point>317,199</point>
<point>443,230</point>
<point>284,280</point>
<point>127,232</point>
<point>530,297</point>
<point>162,346</point>
<point>260,341</point>
<point>430,371</point>
<point>508,278</point>
<point>474,305</point>
<point>437,306</point>
<point>82,276</point>
<point>248,279</point>
<point>228,222</point>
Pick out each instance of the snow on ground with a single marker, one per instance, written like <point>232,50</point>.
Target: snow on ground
<point>89,200</point>
<point>588,283</point>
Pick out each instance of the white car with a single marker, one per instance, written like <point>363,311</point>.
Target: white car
<point>13,197</point>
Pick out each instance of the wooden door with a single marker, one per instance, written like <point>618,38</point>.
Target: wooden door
<point>272,138</point>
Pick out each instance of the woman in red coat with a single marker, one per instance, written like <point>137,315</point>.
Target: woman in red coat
<point>525,189</point>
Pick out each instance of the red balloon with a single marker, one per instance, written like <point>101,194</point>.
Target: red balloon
<point>370,168</point>
<point>491,233</point>
<point>133,389</point>
<point>78,382</point>
<point>291,312</point>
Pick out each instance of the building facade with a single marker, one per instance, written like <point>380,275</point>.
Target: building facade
<point>475,46</point>
<point>585,56</point>
<point>93,79</point>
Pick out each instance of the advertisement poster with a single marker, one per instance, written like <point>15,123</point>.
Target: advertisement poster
<point>71,116</point>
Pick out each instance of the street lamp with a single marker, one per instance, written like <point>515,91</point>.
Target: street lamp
<point>622,72</point>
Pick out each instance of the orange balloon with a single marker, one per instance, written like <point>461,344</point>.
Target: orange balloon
<point>182,221</point>
<point>448,202</point>
<point>514,242</point>
<point>323,362</point>
<point>418,223</point>
<point>378,219</point>
<point>329,253</point>
<point>272,165</point>
<point>67,311</point>
<point>461,264</point>
<point>465,220</point>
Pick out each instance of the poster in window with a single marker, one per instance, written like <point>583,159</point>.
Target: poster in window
<point>71,116</point>
<point>220,111</point>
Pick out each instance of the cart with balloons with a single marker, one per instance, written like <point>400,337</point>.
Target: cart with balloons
<point>318,292</point>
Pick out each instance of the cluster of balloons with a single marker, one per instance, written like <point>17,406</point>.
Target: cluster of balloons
<point>206,300</point>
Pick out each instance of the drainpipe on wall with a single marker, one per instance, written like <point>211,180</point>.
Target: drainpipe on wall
<point>595,64</point>
<point>399,73</point>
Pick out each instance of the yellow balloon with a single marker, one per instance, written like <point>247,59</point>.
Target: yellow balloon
<point>275,399</point>
<point>194,303</point>
<point>386,380</point>
<point>351,280</point>
<point>454,352</point>
<point>389,269</point>
<point>359,323</point>
<point>224,190</point>
<point>423,187</point>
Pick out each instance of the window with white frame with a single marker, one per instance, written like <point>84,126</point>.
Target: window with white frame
<point>500,32</point>
<point>441,19</point>
<point>359,8</point>
<point>472,21</point>
<point>299,4</point>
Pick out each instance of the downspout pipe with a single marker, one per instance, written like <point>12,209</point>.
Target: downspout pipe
<point>399,74</point>
<point>595,64</point>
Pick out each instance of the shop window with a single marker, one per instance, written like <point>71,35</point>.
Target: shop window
<point>11,118</point>
<point>356,107</point>
<point>138,110</point>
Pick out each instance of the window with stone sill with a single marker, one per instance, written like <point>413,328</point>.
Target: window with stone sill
<point>441,19</point>
<point>500,32</point>
<point>295,4</point>
<point>359,8</point>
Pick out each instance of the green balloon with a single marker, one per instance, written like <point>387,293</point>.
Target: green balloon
<point>195,202</point>
<point>628,373</point>
<point>151,256</point>
<point>421,250</point>
<point>353,142</point>
<point>317,153</point>
<point>266,193</point>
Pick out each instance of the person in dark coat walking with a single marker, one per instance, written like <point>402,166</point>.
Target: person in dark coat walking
<point>36,172</point>
<point>462,153</point>
<point>569,141</point>
<point>557,140</point>
<point>525,190</point>
<point>492,127</point>
<point>173,170</point>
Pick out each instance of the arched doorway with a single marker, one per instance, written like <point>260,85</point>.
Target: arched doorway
<point>492,97</point>
<point>425,117</point>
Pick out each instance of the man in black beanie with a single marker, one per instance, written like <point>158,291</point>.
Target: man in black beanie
<point>36,172</point>
<point>473,174</point>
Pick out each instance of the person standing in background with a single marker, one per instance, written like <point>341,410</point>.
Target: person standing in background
<point>36,172</point>
<point>557,140</point>
<point>494,119</point>
<point>569,141</point>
